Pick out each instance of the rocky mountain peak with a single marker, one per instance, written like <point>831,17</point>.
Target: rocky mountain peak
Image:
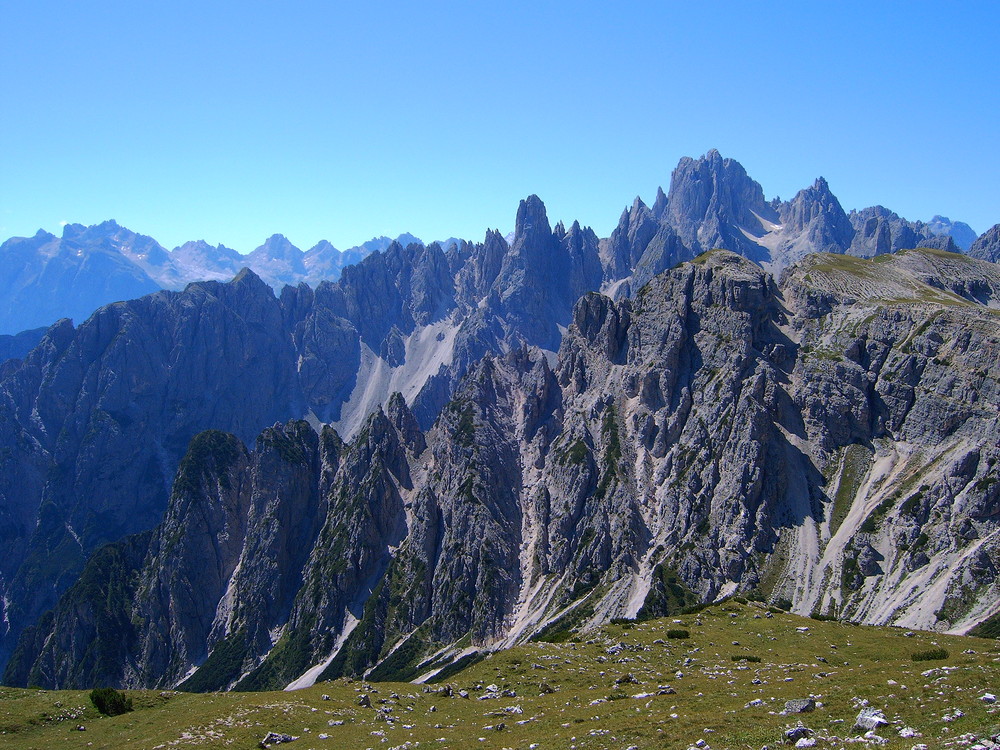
<point>277,246</point>
<point>714,203</point>
<point>660,204</point>
<point>816,216</point>
<point>959,231</point>
<point>247,279</point>
<point>323,247</point>
<point>402,419</point>
<point>638,210</point>
<point>531,219</point>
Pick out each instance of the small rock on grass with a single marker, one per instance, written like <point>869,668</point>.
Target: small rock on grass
<point>870,719</point>
<point>276,738</point>
<point>799,706</point>
<point>794,734</point>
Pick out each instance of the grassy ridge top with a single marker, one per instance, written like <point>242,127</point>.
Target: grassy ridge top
<point>626,685</point>
<point>921,275</point>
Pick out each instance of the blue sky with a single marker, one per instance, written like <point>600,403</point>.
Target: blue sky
<point>231,121</point>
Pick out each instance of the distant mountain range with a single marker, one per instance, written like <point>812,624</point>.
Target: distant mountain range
<point>715,204</point>
<point>44,278</point>
<point>450,450</point>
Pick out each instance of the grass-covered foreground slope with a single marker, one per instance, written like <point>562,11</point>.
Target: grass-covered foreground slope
<point>626,685</point>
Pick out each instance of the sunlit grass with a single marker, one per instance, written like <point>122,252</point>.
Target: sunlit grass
<point>616,688</point>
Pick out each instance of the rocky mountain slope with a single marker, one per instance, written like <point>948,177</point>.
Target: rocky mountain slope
<point>987,247</point>
<point>685,441</point>
<point>829,438</point>
<point>96,418</point>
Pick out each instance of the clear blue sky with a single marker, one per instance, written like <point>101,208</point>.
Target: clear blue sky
<point>231,121</point>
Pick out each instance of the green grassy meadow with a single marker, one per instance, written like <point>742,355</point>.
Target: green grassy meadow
<point>623,686</point>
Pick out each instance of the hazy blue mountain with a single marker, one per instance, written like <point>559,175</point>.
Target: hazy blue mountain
<point>17,346</point>
<point>962,233</point>
<point>44,278</point>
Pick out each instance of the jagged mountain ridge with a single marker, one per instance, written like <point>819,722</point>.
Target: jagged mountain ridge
<point>831,439</point>
<point>98,418</point>
<point>712,203</point>
<point>46,278</point>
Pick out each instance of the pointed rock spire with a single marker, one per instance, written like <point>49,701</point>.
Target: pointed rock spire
<point>531,218</point>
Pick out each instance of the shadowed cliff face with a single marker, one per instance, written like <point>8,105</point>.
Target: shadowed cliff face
<point>987,246</point>
<point>831,440</point>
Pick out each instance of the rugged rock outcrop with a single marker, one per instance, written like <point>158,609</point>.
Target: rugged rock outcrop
<point>878,231</point>
<point>713,203</point>
<point>813,221</point>
<point>96,418</point>
<point>987,246</point>
<point>105,411</point>
<point>831,440</point>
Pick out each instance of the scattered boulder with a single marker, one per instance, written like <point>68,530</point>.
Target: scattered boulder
<point>870,719</point>
<point>793,734</point>
<point>365,701</point>
<point>799,706</point>
<point>276,738</point>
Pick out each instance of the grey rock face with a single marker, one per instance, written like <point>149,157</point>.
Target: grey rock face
<point>219,572</point>
<point>114,403</point>
<point>987,246</point>
<point>813,222</point>
<point>879,231</point>
<point>713,203</point>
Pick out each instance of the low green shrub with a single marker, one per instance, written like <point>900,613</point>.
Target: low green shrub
<point>678,633</point>
<point>931,654</point>
<point>110,702</point>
